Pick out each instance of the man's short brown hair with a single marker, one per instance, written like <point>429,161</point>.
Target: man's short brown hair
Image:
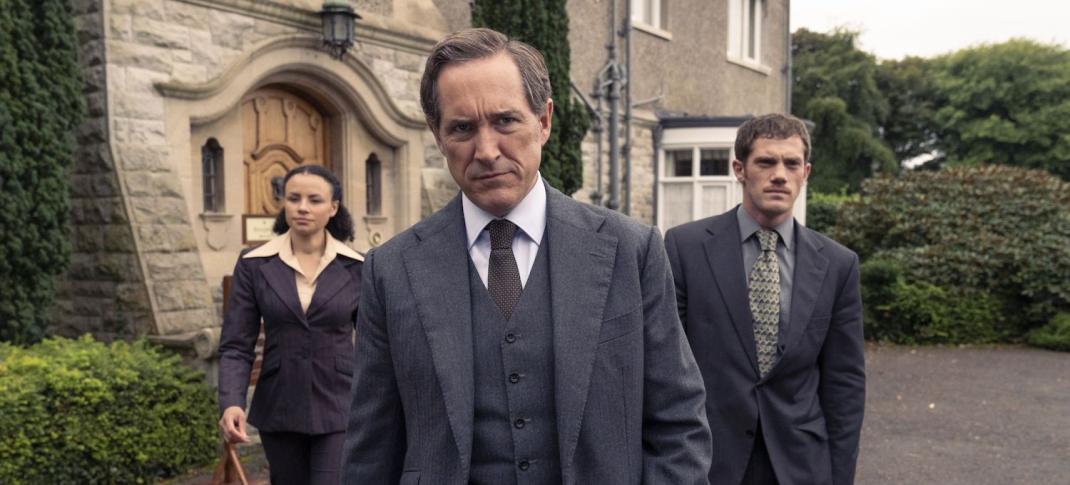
<point>775,126</point>
<point>472,44</point>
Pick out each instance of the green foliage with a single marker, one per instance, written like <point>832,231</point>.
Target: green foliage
<point>79,411</point>
<point>822,210</point>
<point>40,109</point>
<point>907,85</point>
<point>1005,103</point>
<point>988,230</point>
<point>835,86</point>
<point>1055,335</point>
<point>922,313</point>
<point>544,25</point>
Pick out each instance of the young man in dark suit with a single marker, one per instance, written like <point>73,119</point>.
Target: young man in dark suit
<point>773,314</point>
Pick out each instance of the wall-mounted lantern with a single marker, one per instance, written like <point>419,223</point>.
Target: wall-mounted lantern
<point>339,21</point>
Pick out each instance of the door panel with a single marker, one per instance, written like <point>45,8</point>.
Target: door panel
<point>281,131</point>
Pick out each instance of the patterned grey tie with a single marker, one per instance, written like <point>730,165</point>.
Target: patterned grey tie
<point>764,286</point>
<point>503,277</point>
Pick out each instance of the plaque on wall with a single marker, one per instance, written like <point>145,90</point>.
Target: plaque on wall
<point>256,229</point>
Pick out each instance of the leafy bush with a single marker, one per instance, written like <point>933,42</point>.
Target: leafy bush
<point>910,313</point>
<point>993,230</point>
<point>80,411</point>
<point>822,210</point>
<point>1055,335</point>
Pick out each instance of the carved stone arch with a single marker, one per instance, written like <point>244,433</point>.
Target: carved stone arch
<point>358,116</point>
<point>299,60</point>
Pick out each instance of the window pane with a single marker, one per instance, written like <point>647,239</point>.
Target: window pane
<point>752,17</point>
<point>677,198</point>
<point>678,163</point>
<point>373,185</point>
<point>641,11</point>
<point>714,199</point>
<point>713,162</point>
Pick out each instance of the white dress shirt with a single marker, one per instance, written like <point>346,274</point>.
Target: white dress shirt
<point>529,216</point>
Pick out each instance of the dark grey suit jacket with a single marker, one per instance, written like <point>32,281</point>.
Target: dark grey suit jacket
<point>628,394</point>
<point>811,402</point>
<point>308,357</point>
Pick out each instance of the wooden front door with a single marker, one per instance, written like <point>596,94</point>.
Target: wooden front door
<point>281,131</point>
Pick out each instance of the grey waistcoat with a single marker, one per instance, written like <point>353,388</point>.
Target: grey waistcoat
<point>515,426</point>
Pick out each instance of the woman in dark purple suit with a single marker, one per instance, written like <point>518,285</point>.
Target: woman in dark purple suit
<point>305,285</point>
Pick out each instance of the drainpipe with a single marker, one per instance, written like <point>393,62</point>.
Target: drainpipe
<point>626,150</point>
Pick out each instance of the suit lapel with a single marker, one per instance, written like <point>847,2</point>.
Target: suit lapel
<point>333,278</point>
<point>581,270</point>
<point>437,268</point>
<point>810,269</point>
<point>724,253</point>
<point>281,279</point>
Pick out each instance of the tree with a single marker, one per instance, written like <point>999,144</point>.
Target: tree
<point>907,86</point>
<point>1005,103</point>
<point>835,86</point>
<point>544,25</point>
<point>40,108</point>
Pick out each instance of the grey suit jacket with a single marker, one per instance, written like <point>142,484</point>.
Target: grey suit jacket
<point>811,402</point>
<point>628,394</point>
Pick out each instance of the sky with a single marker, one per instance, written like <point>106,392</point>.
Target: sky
<point>892,29</point>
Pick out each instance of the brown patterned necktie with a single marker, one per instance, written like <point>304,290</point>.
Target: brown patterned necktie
<point>503,276</point>
<point>764,293</point>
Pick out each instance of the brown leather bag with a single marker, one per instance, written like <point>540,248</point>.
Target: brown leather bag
<point>229,470</point>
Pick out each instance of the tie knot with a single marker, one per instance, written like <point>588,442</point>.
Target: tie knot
<point>501,233</point>
<point>767,238</point>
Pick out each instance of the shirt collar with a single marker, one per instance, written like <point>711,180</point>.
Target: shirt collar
<point>748,226</point>
<point>281,245</point>
<point>529,215</point>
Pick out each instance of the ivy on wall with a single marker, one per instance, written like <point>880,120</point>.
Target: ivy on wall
<point>544,25</point>
<point>40,108</point>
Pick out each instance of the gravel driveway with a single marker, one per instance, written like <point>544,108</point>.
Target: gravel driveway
<point>966,415</point>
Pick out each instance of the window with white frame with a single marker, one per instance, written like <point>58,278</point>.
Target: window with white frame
<point>695,181</point>
<point>745,18</point>
<point>653,13</point>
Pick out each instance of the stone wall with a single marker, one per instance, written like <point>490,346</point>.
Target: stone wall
<point>136,266</point>
<point>104,290</point>
<point>642,164</point>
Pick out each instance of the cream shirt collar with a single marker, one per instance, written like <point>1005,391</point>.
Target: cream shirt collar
<point>281,246</point>
<point>529,215</point>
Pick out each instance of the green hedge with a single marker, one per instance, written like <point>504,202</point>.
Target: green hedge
<point>993,234</point>
<point>80,411</point>
<point>1055,335</point>
<point>822,210</point>
<point>922,313</point>
<point>41,107</point>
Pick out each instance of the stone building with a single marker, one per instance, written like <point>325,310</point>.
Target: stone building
<point>195,106</point>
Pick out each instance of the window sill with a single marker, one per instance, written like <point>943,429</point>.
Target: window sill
<point>650,29</point>
<point>759,68</point>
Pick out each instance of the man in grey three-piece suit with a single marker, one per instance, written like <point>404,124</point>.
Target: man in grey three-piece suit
<point>516,335</point>
<point>773,313</point>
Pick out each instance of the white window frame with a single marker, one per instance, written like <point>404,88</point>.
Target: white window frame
<point>697,139</point>
<point>651,16</point>
<point>743,15</point>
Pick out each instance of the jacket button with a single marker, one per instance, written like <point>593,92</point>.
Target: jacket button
<point>750,433</point>
<point>514,378</point>
<point>510,338</point>
<point>519,423</point>
<point>523,465</point>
